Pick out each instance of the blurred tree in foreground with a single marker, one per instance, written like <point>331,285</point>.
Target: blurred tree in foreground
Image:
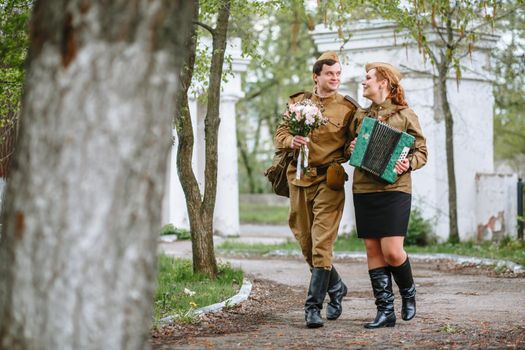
<point>82,211</point>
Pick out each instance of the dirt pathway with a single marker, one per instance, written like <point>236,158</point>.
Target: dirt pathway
<point>466,308</point>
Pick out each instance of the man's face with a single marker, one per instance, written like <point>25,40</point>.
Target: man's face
<point>328,79</point>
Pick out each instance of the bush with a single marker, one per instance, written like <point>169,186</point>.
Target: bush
<point>169,229</point>
<point>419,230</point>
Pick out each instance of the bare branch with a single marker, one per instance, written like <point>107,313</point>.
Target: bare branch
<point>254,94</point>
<point>418,71</point>
<point>205,26</point>
<point>440,34</point>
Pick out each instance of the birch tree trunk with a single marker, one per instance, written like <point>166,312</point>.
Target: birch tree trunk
<point>443,69</point>
<point>449,142</point>
<point>82,214</point>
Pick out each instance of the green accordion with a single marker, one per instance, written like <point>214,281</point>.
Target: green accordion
<point>378,147</point>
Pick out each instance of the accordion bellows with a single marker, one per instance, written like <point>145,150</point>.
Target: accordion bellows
<point>378,147</point>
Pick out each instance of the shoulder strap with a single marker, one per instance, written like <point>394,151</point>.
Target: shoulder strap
<point>297,94</point>
<point>352,101</point>
<point>307,95</point>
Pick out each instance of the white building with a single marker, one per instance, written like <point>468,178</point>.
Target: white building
<point>487,202</point>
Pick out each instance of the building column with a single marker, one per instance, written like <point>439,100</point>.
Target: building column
<point>226,214</point>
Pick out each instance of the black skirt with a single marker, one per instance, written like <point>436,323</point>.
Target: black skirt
<point>382,214</point>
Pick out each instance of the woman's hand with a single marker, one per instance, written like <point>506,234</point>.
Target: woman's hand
<point>352,145</point>
<point>298,141</point>
<point>402,166</point>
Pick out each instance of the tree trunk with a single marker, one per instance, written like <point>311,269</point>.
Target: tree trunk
<point>204,242</point>
<point>83,204</point>
<point>203,253</point>
<point>449,142</point>
<point>200,212</point>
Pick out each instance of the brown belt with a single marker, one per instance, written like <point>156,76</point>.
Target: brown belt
<point>320,170</point>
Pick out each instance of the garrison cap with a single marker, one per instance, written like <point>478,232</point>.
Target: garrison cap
<point>328,55</point>
<point>386,66</point>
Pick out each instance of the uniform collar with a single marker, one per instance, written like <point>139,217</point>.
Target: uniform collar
<point>324,100</point>
<point>385,105</point>
<point>384,109</point>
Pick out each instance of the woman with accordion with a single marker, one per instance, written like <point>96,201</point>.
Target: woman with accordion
<point>382,209</point>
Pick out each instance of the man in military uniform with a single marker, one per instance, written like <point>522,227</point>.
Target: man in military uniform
<point>316,205</point>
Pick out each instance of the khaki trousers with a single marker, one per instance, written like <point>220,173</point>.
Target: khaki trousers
<point>315,214</point>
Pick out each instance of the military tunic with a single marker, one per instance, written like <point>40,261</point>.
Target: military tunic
<point>315,209</point>
<point>402,118</point>
<point>383,209</point>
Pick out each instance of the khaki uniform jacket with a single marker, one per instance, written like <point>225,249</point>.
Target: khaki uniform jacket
<point>328,143</point>
<point>402,118</point>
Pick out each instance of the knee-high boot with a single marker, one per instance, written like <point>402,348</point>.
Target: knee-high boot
<point>315,297</point>
<point>403,277</point>
<point>337,290</point>
<point>382,287</point>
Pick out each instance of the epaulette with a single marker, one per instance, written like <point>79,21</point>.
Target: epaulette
<point>306,94</point>
<point>296,94</point>
<point>352,101</point>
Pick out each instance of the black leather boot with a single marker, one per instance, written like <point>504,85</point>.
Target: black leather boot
<point>382,287</point>
<point>403,277</point>
<point>315,298</point>
<point>336,291</point>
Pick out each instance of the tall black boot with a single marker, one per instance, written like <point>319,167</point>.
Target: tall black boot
<point>315,298</point>
<point>336,291</point>
<point>403,277</point>
<point>382,286</point>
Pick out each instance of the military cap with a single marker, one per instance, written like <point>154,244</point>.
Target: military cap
<point>328,55</point>
<point>386,66</point>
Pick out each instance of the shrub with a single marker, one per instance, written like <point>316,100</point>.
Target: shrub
<point>169,229</point>
<point>419,230</point>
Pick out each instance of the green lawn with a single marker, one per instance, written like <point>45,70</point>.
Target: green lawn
<point>507,249</point>
<point>176,275</point>
<point>513,250</point>
<point>263,214</point>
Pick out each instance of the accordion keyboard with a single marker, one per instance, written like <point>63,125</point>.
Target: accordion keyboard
<point>381,144</point>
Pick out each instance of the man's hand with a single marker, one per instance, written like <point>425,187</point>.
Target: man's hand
<point>402,166</point>
<point>299,141</point>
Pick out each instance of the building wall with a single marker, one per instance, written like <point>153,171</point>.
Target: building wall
<point>471,102</point>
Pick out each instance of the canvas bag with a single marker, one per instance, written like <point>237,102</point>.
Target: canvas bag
<point>276,173</point>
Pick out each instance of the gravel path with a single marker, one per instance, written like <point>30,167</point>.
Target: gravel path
<point>458,308</point>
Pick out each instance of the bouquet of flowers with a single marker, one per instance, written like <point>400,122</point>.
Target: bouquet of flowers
<point>301,118</point>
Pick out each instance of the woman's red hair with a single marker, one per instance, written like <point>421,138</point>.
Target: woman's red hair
<point>397,94</point>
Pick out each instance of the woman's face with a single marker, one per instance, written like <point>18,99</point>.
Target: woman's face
<point>372,88</point>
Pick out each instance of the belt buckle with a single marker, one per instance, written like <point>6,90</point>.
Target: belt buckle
<point>311,171</point>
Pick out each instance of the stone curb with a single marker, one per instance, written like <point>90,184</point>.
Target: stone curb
<point>241,296</point>
<point>458,259</point>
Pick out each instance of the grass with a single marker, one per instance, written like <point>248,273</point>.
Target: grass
<point>257,248</point>
<point>263,214</point>
<point>181,233</point>
<point>176,275</point>
<point>512,250</point>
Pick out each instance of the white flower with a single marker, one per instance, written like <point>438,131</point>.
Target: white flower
<point>310,120</point>
<point>298,116</point>
<point>310,111</point>
<point>189,292</point>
